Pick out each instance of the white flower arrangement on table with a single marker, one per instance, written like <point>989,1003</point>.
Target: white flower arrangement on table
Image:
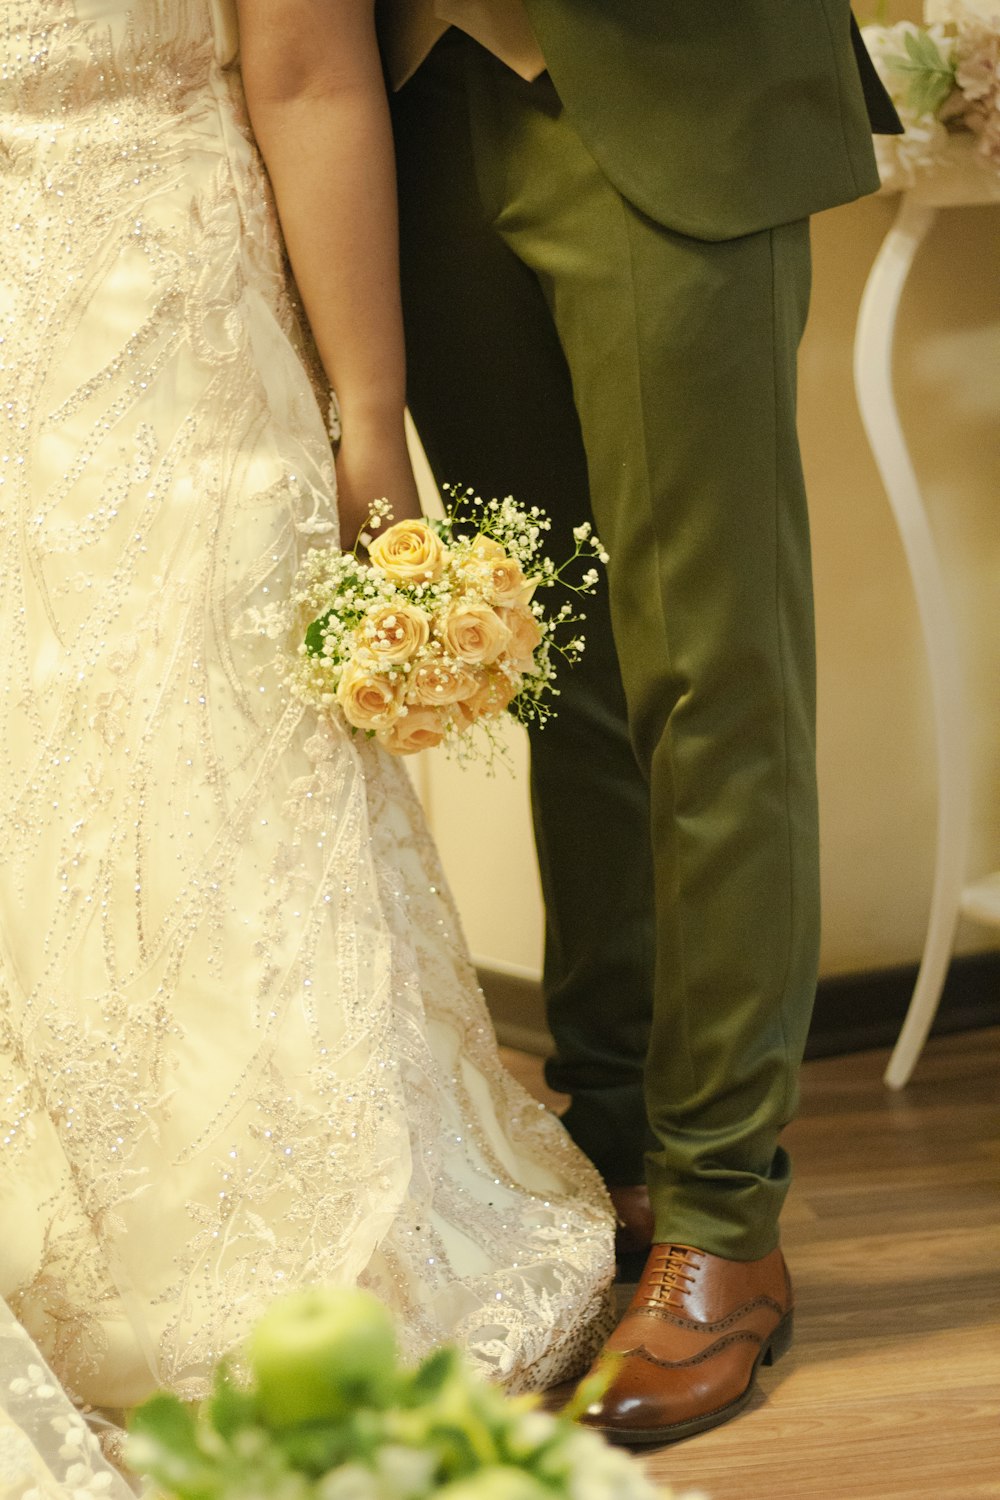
<point>329,1413</point>
<point>437,632</point>
<point>944,79</point>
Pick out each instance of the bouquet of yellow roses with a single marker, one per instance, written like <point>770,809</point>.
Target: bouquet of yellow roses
<point>438,629</point>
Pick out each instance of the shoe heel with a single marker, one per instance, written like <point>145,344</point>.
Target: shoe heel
<point>781,1340</point>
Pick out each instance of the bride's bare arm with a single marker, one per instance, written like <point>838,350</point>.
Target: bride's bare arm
<point>317,104</point>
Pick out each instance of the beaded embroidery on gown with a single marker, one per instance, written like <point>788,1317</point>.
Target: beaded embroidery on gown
<point>241,1044</point>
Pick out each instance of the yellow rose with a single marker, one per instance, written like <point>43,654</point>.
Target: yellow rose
<point>417,729</point>
<point>491,570</point>
<point>437,683</point>
<point>473,633</point>
<point>396,634</point>
<point>525,635</point>
<point>486,547</point>
<point>490,698</point>
<point>409,552</point>
<point>507,584</point>
<point>369,700</point>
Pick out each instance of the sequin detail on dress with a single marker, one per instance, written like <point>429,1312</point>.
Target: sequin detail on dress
<point>241,1044</point>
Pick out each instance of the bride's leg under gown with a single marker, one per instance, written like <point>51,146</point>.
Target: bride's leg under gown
<point>241,1044</point>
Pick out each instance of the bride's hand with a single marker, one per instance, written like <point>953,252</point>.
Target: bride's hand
<point>367,470</point>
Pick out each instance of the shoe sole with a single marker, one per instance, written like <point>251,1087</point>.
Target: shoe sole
<point>647,1437</point>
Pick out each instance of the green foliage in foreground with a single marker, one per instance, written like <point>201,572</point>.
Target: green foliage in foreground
<point>331,1414</point>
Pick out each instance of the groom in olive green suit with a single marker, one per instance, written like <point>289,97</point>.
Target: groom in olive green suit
<point>604,227</point>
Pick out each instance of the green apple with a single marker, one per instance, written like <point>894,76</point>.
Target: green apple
<point>320,1353</point>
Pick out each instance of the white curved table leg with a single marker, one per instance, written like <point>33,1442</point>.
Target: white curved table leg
<point>873,382</point>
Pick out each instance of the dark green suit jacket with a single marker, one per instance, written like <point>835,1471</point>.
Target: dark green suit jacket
<point>719,117</point>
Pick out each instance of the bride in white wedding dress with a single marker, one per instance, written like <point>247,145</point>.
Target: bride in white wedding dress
<point>241,1044</point>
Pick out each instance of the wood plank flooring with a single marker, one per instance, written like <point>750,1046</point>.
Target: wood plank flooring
<point>892,1233</point>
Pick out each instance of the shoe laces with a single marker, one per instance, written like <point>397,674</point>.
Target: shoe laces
<point>669,1279</point>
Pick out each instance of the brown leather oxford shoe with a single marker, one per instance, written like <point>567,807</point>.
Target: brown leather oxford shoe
<point>691,1342</point>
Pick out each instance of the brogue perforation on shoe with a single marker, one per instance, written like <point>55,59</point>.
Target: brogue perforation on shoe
<point>721,1324</point>
<point>696,1359</point>
<point>674,1374</point>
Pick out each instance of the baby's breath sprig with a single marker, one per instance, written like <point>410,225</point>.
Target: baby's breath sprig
<point>520,530</point>
<point>378,511</point>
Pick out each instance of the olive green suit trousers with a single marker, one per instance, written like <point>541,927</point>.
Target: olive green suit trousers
<point>568,349</point>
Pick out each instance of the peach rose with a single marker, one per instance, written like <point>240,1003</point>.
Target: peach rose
<point>473,633</point>
<point>485,548</point>
<point>417,729</point>
<point>369,700</point>
<point>489,568</point>
<point>525,635</point>
<point>409,552</point>
<point>491,697</point>
<point>507,583</point>
<point>438,683</point>
<point>396,634</point>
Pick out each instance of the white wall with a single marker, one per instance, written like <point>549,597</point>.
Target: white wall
<point>876,751</point>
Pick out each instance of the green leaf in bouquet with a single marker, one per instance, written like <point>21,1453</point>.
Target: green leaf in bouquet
<point>230,1408</point>
<point>462,1447</point>
<point>593,1386</point>
<point>430,1377</point>
<point>529,1434</point>
<point>930,76</point>
<point>461,1423</point>
<point>467,1431</point>
<point>928,93</point>
<point>163,1443</point>
<point>316,1450</point>
<point>314,635</point>
<point>922,49</point>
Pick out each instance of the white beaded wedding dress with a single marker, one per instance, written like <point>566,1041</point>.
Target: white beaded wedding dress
<point>241,1044</point>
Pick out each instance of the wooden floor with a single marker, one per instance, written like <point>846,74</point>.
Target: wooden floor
<point>892,1232</point>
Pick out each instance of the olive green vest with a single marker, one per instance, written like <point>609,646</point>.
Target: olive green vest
<point>718,117</point>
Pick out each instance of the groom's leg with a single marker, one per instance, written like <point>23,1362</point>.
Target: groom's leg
<point>682,356</point>
<point>491,395</point>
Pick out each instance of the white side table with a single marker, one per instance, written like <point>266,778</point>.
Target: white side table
<point>964,181</point>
